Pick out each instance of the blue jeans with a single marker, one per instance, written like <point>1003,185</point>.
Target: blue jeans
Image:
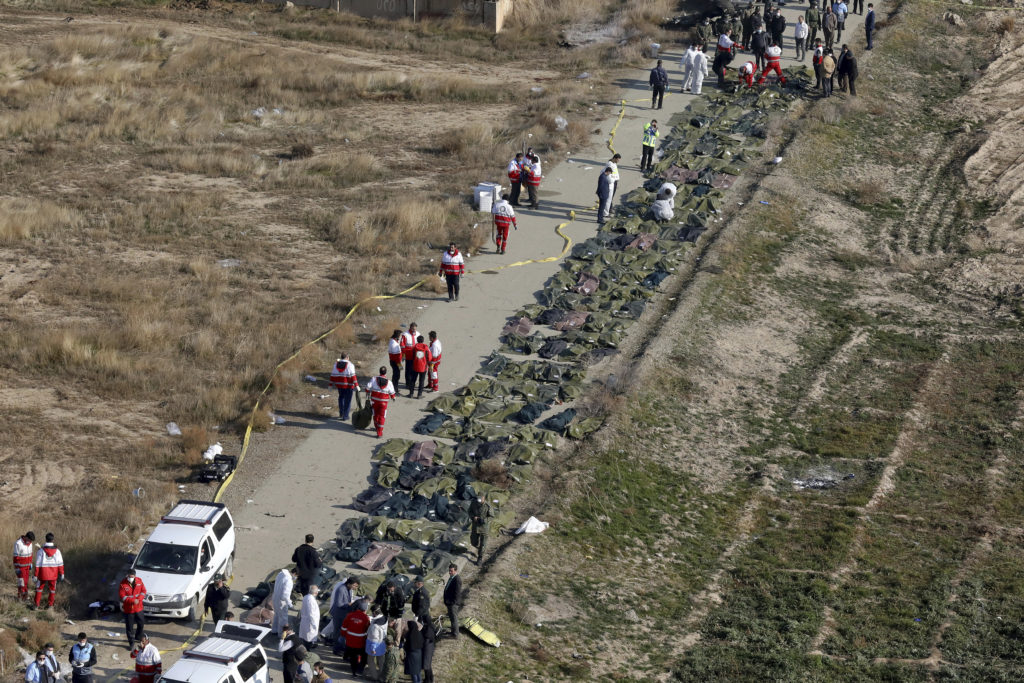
<point>344,402</point>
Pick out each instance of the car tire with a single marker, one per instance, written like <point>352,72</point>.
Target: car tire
<point>193,609</point>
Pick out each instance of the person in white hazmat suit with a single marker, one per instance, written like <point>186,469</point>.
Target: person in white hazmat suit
<point>686,64</point>
<point>698,72</point>
<point>664,206</point>
<point>282,600</point>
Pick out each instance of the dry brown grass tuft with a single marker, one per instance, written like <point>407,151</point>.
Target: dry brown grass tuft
<point>436,284</point>
<point>37,633</point>
<point>383,329</point>
<point>1006,25</point>
<point>24,217</point>
<point>494,472</point>
<point>344,335</point>
<point>195,440</point>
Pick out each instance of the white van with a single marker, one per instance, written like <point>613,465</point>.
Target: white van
<point>192,544</point>
<point>233,654</point>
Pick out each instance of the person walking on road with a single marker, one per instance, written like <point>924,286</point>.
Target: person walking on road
<point>650,140</point>
<point>408,341</point>
<point>24,548</point>
<point>698,72</point>
<point>49,571</point>
<point>83,659</point>
<point>772,56</point>
<point>515,178</point>
<point>395,355</point>
<point>420,362</point>
<point>659,83</point>
<point>132,593</point>
<point>504,217</point>
<point>435,362</point>
<point>148,664</point>
<point>686,65</point>
<point>307,563</point>
<point>480,529</point>
<point>453,267</point>
<point>869,25</point>
<point>604,195</point>
<point>217,597</point>
<point>800,39</point>
<point>381,391</point>
<point>453,598</point>
<point>344,379</point>
<point>282,599</point>
<point>309,619</point>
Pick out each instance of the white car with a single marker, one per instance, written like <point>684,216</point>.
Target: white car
<point>191,545</point>
<point>233,654</point>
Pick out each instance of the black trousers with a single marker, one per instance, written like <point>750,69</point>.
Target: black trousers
<point>410,380</point>
<point>136,621</point>
<point>851,81</point>
<point>812,34</point>
<point>396,371</point>
<point>453,616</point>
<point>647,158</point>
<point>513,197</point>
<point>858,7</point>
<point>453,293</point>
<point>302,584</point>
<point>657,95</point>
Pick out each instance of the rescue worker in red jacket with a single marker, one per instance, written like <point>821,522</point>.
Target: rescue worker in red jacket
<point>23,547</point>
<point>344,379</point>
<point>381,391</point>
<point>420,362</point>
<point>355,627</point>
<point>504,217</point>
<point>531,176</point>
<point>49,570</point>
<point>407,341</point>
<point>515,177</point>
<point>435,361</point>
<point>132,592</point>
<point>771,63</point>
<point>395,355</point>
<point>747,72</point>
<point>148,664</point>
<point>453,267</point>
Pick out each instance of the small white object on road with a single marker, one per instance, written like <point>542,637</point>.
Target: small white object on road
<point>310,378</point>
<point>173,429</point>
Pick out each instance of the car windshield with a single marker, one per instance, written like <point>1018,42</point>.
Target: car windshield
<point>167,558</point>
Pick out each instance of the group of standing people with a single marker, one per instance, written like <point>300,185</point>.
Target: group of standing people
<point>43,564</point>
<point>525,169</point>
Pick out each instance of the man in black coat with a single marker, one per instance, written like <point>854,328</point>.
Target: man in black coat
<point>391,600</point>
<point>659,82</point>
<point>289,646</point>
<point>453,597</point>
<point>778,27</point>
<point>307,563</point>
<point>421,601</point>
<point>217,600</point>
<point>869,24</point>
<point>847,70</point>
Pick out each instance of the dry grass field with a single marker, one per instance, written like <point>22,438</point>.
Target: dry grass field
<point>187,195</point>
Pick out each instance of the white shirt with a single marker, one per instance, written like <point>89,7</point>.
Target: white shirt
<point>615,170</point>
<point>725,42</point>
<point>435,349</point>
<point>309,619</point>
<point>148,656</point>
<point>800,32</point>
<point>283,590</point>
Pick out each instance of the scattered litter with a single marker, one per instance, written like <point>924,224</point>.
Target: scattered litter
<point>213,451</point>
<point>378,309</point>
<point>822,478</point>
<point>532,526</point>
<point>271,514</point>
<point>537,89</point>
<point>114,656</point>
<point>276,419</point>
<point>777,160</point>
<point>277,111</point>
<point>765,203</point>
<point>561,123</point>
<point>259,112</point>
<point>524,575</point>
<point>229,263</point>
<point>249,501</point>
<point>584,75</point>
<point>173,429</point>
<point>588,168</point>
<point>109,634</point>
<point>419,307</point>
<point>69,622</point>
<point>310,378</point>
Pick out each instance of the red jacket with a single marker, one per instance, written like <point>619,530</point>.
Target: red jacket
<point>131,596</point>
<point>344,375</point>
<point>420,357</point>
<point>355,626</point>
<point>408,340</point>
<point>49,563</point>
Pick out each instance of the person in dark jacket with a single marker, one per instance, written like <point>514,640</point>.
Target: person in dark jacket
<point>391,600</point>
<point>869,24</point>
<point>659,82</point>
<point>847,70</point>
<point>83,659</point>
<point>429,641</point>
<point>414,651</point>
<point>758,44</point>
<point>778,27</point>
<point>421,601</point>
<point>289,646</point>
<point>217,599</point>
<point>453,598</point>
<point>307,562</point>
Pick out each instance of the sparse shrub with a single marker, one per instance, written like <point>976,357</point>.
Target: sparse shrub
<point>195,440</point>
<point>1006,24</point>
<point>24,217</point>
<point>37,633</point>
<point>301,151</point>
<point>494,472</point>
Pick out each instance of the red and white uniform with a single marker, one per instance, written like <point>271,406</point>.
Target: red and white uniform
<point>725,43</point>
<point>533,173</point>
<point>435,363</point>
<point>420,357</point>
<point>22,564</point>
<point>131,595</point>
<point>407,341</point>
<point>515,171</point>
<point>747,72</point>
<point>49,568</point>
<point>381,391</point>
<point>504,218</point>
<point>148,664</point>
<point>394,351</point>
<point>771,63</point>
<point>452,264</point>
<point>343,376</point>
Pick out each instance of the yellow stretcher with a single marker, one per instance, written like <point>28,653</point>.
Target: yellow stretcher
<point>482,634</point>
